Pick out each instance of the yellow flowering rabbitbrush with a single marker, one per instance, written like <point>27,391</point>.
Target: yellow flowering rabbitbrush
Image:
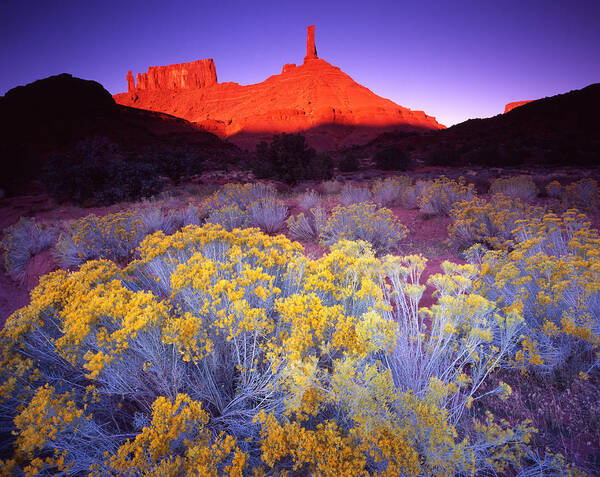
<point>550,277</point>
<point>231,353</point>
<point>364,221</point>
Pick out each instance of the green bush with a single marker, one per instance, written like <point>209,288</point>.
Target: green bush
<point>176,163</point>
<point>104,183</point>
<point>289,158</point>
<point>392,158</point>
<point>443,156</point>
<point>349,162</point>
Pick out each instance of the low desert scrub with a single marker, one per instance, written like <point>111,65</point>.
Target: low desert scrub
<point>550,277</point>
<point>155,217</point>
<point>554,190</point>
<point>230,353</point>
<point>364,221</point>
<point>582,195</point>
<point>237,206</point>
<point>490,223</point>
<point>229,217</point>
<point>518,187</point>
<point>411,195</point>
<point>465,340</point>
<point>349,162</point>
<point>113,237</point>
<point>389,191</point>
<point>353,194</point>
<point>268,214</point>
<point>309,200</point>
<point>438,196</point>
<point>331,187</point>
<point>241,195</point>
<point>307,226</point>
<point>22,241</point>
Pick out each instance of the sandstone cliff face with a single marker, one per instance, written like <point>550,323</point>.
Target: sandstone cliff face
<point>516,104</point>
<point>193,75</point>
<point>315,98</point>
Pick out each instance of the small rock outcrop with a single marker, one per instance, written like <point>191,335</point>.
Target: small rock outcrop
<point>288,67</point>
<point>182,76</point>
<point>516,104</point>
<point>130,82</point>
<point>311,49</point>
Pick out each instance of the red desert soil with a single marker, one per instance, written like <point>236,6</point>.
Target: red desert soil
<point>315,97</point>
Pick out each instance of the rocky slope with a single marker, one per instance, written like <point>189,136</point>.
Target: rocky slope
<point>315,97</point>
<point>516,104</point>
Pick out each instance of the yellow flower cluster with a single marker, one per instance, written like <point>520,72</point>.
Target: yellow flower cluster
<point>46,416</point>
<point>268,251</point>
<point>518,187</point>
<point>242,195</point>
<point>113,237</point>
<point>153,451</point>
<point>389,191</point>
<point>509,442</point>
<point>396,432</point>
<point>439,196</point>
<point>490,223</point>
<point>114,314</point>
<point>364,221</point>
<point>552,277</point>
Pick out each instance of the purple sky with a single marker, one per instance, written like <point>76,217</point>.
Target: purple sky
<point>455,60</point>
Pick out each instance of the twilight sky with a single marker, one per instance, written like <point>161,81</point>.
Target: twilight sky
<point>455,60</point>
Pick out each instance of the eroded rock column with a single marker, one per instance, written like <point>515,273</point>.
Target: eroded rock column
<point>311,49</point>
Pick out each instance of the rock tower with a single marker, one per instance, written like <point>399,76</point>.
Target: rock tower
<point>311,49</point>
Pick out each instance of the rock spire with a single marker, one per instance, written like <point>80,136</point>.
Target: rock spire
<point>130,82</point>
<point>311,49</point>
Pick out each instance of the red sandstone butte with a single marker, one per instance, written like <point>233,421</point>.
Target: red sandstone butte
<point>516,104</point>
<point>315,98</point>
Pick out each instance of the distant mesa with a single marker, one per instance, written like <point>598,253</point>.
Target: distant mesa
<point>516,104</point>
<point>315,98</point>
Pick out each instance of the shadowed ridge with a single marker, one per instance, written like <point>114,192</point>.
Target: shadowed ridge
<point>557,130</point>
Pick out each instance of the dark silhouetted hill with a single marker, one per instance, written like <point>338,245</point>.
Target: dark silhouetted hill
<point>557,130</point>
<point>51,115</point>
